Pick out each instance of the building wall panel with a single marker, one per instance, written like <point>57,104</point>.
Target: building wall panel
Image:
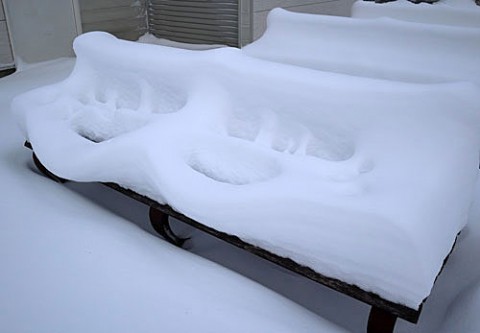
<point>6,57</point>
<point>125,19</point>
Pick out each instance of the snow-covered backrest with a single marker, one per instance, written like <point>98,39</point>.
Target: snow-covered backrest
<point>380,48</point>
<point>461,13</point>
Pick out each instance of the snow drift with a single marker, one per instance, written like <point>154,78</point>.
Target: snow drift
<point>363,180</point>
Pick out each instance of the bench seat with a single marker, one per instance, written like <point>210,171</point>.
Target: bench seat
<point>363,181</point>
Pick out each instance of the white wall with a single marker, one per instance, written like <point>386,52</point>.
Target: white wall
<point>328,7</point>
<point>41,29</point>
<point>6,57</point>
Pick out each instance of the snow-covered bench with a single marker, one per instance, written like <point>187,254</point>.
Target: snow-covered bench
<point>356,183</point>
<point>380,48</point>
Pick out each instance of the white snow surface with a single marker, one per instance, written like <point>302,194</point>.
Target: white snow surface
<point>70,265</point>
<point>318,167</point>
<point>149,38</point>
<point>462,13</point>
<point>380,48</point>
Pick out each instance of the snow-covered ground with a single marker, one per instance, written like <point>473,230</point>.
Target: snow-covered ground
<point>80,258</point>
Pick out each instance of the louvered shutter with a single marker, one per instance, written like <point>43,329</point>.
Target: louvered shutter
<point>195,21</point>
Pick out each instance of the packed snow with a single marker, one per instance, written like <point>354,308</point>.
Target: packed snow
<point>380,48</point>
<point>319,167</point>
<point>462,13</point>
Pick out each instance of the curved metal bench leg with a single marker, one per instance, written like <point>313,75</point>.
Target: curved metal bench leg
<point>160,223</point>
<point>380,321</point>
<point>45,171</point>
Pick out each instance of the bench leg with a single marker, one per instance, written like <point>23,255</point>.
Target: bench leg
<point>380,321</point>
<point>44,170</point>
<point>160,223</point>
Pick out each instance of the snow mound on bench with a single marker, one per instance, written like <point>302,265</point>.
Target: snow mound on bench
<point>346,175</point>
<point>381,48</point>
<point>234,165</point>
<point>461,13</point>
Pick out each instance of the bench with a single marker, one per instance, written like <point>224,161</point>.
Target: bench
<point>314,188</point>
